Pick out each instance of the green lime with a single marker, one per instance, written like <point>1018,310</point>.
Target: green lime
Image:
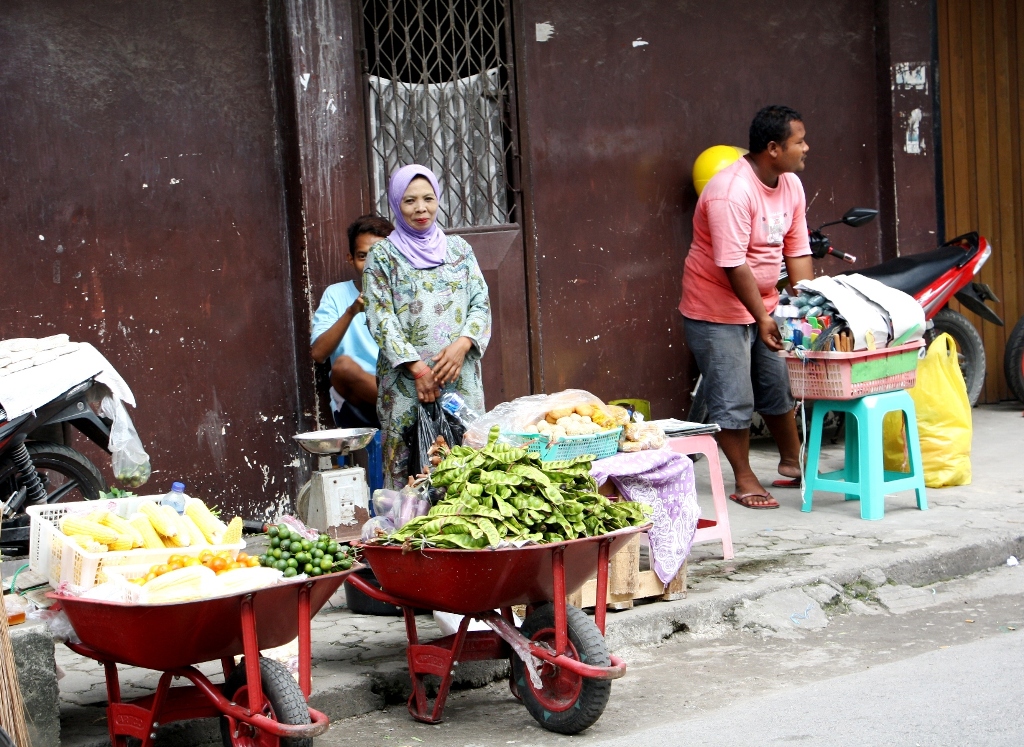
<point>285,555</point>
<point>325,564</point>
<point>318,553</point>
<point>317,571</point>
<point>280,565</point>
<point>272,531</point>
<point>289,572</point>
<point>307,569</point>
<point>284,531</point>
<point>275,542</point>
<point>328,559</point>
<point>324,538</point>
<point>306,544</point>
<point>265,560</point>
<point>276,552</point>
<point>332,548</point>
<point>321,546</point>
<point>345,564</point>
<point>292,563</point>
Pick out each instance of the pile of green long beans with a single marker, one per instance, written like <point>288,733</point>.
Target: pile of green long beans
<point>504,494</point>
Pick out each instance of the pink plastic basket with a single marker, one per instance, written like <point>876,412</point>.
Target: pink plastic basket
<point>828,375</point>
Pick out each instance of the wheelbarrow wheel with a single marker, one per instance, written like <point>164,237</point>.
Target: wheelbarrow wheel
<point>282,701</point>
<point>565,703</point>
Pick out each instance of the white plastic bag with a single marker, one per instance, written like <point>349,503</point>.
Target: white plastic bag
<point>128,458</point>
<point>514,416</point>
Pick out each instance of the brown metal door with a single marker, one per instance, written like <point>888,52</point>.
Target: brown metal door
<point>439,89</point>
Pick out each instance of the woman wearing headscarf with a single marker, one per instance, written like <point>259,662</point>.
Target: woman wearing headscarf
<point>428,310</point>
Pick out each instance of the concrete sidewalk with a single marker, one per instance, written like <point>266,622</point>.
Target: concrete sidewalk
<point>791,569</point>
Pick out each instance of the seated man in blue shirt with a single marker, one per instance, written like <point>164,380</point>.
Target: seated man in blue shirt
<point>340,333</point>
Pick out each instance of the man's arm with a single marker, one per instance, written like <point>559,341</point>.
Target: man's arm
<point>329,340</point>
<point>745,287</point>
<point>799,268</point>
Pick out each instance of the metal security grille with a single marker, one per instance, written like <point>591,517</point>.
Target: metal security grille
<point>439,92</point>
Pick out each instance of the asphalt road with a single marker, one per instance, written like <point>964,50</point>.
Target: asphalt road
<point>946,675</point>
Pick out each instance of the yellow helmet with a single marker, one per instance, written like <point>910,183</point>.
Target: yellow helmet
<point>713,160</point>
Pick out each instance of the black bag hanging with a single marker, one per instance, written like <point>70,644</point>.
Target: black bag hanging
<point>432,421</point>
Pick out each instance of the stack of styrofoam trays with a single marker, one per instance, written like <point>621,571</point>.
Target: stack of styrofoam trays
<point>25,352</point>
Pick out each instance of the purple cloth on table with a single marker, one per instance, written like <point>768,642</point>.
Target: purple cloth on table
<point>663,479</point>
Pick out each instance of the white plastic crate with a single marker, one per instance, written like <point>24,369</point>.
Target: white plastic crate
<point>58,559</point>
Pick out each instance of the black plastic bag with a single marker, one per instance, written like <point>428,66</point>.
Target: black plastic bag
<point>432,421</point>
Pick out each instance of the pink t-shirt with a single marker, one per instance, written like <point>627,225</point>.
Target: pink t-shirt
<point>738,219</point>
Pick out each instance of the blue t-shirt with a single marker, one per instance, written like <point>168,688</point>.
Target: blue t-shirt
<point>357,343</point>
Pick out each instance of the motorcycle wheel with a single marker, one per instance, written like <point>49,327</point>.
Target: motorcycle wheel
<point>66,474</point>
<point>1013,362</point>
<point>970,350</point>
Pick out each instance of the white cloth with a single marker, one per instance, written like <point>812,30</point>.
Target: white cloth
<point>23,391</point>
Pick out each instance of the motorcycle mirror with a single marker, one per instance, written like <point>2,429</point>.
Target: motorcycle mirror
<point>855,217</point>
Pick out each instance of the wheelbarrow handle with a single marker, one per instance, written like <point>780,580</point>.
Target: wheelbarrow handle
<point>379,594</point>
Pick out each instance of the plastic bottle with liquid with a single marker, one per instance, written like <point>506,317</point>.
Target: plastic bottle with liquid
<point>454,404</point>
<point>176,498</point>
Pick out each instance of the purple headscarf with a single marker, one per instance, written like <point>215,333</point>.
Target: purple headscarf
<point>423,249</point>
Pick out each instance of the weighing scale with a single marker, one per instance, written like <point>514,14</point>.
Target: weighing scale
<point>335,500</point>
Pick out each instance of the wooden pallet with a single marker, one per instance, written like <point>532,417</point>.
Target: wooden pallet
<point>627,583</point>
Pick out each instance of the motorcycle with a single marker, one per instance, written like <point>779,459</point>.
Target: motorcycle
<point>933,278</point>
<point>37,468</point>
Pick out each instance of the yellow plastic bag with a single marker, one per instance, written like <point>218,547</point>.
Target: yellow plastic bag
<point>943,420</point>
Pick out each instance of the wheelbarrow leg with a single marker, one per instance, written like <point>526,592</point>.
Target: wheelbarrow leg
<point>113,699</point>
<point>158,702</point>
<point>558,583</point>
<point>601,608</point>
<point>420,667</point>
<point>253,675</point>
<point>305,645</point>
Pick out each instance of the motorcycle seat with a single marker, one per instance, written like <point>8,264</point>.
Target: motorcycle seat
<point>914,273</point>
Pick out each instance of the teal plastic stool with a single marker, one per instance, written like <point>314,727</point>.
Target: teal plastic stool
<point>863,475</point>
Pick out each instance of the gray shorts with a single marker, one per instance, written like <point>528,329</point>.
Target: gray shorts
<point>740,374</point>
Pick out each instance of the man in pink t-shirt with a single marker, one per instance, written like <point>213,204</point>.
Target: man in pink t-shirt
<point>749,219</point>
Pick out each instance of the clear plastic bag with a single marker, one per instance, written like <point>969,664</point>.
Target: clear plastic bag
<point>515,416</point>
<point>127,455</point>
<point>296,526</point>
<point>386,503</point>
<point>376,528</point>
<point>413,503</point>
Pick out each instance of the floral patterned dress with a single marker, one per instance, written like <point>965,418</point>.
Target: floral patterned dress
<point>414,314</point>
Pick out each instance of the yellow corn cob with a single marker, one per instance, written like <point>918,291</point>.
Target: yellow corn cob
<point>87,543</point>
<point>180,585</point>
<point>98,515</point>
<point>121,526</point>
<point>150,538</point>
<point>181,537</point>
<point>211,527</point>
<point>161,522</point>
<point>233,533</point>
<point>123,542</point>
<point>194,532</point>
<point>77,525</point>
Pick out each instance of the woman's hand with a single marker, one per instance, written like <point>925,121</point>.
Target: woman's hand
<point>448,363</point>
<point>427,389</point>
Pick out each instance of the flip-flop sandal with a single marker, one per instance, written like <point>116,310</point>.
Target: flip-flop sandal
<point>740,500</point>
<point>786,482</point>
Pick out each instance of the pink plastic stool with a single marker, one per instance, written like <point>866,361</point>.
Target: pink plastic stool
<point>707,530</point>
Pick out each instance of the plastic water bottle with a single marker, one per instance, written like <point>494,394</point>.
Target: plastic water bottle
<point>176,498</point>
<point>454,404</point>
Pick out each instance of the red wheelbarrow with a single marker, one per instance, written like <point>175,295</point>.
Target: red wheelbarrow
<point>259,701</point>
<point>561,668</point>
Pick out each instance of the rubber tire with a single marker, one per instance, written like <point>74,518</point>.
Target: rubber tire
<point>1013,361</point>
<point>70,463</point>
<point>969,345</point>
<point>280,689</point>
<point>589,643</point>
